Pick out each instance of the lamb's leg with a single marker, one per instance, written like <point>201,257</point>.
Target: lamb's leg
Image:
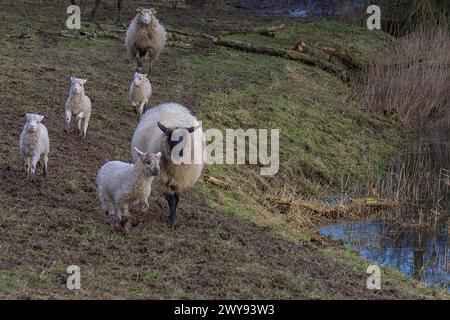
<point>85,126</point>
<point>126,219</point>
<point>45,167</point>
<point>28,166</point>
<point>68,119</point>
<point>115,215</point>
<point>78,121</point>
<point>141,109</point>
<point>34,161</point>
<point>172,200</point>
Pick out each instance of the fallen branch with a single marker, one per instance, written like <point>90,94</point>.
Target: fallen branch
<point>287,54</point>
<point>326,53</point>
<point>180,44</point>
<point>215,181</point>
<point>338,209</point>
<point>107,34</point>
<point>265,31</point>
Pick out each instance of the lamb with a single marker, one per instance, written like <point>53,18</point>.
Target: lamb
<point>34,144</point>
<point>79,105</point>
<point>145,38</point>
<point>123,186</point>
<point>162,129</point>
<point>140,93</point>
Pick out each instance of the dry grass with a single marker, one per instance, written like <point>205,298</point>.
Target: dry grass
<point>411,81</point>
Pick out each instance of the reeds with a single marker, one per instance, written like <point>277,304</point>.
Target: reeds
<point>411,81</point>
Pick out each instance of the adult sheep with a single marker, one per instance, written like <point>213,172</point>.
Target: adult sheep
<point>172,130</point>
<point>145,38</point>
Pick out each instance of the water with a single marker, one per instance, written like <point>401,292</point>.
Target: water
<point>422,253</point>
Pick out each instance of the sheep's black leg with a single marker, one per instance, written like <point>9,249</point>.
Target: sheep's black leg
<point>172,201</point>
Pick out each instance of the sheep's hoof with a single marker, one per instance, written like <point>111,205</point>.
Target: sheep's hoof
<point>172,224</point>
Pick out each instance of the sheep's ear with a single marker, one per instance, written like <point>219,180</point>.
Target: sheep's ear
<point>141,154</point>
<point>158,154</point>
<point>27,115</point>
<point>192,129</point>
<point>83,81</point>
<point>153,11</point>
<point>139,9</point>
<point>71,79</point>
<point>145,75</point>
<point>41,118</point>
<point>163,128</point>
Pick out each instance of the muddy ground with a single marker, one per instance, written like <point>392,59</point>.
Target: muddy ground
<point>50,224</point>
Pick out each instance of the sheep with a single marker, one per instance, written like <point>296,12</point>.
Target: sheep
<point>140,93</point>
<point>123,186</point>
<point>160,130</point>
<point>34,144</point>
<point>79,105</point>
<point>145,38</point>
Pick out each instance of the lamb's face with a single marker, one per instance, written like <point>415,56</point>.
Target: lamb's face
<point>146,16</point>
<point>150,162</point>
<point>139,78</point>
<point>77,85</point>
<point>32,121</point>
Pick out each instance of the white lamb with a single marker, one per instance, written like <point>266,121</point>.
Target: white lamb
<point>140,93</point>
<point>145,38</point>
<point>78,105</point>
<point>162,129</point>
<point>123,186</point>
<point>34,144</point>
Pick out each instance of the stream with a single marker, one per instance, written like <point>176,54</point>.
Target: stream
<point>414,238</point>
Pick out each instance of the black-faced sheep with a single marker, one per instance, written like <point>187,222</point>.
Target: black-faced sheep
<point>162,129</point>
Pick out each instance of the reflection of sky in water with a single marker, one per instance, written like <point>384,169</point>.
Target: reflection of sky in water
<point>417,252</point>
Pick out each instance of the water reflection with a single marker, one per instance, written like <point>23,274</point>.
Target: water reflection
<point>419,252</point>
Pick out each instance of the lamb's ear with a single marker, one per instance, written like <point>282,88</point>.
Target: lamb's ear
<point>163,128</point>
<point>83,81</point>
<point>71,79</point>
<point>141,154</point>
<point>27,115</point>
<point>41,118</point>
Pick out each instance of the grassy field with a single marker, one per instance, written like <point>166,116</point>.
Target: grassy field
<point>229,243</point>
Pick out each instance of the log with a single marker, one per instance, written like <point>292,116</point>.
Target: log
<point>265,31</point>
<point>180,44</point>
<point>326,53</point>
<point>215,181</point>
<point>338,209</point>
<point>286,54</point>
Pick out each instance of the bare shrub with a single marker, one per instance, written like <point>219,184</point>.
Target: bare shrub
<point>411,80</point>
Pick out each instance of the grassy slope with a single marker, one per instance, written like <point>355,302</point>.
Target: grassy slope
<point>228,245</point>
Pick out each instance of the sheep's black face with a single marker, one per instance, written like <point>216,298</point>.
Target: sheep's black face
<point>174,143</point>
<point>176,136</point>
